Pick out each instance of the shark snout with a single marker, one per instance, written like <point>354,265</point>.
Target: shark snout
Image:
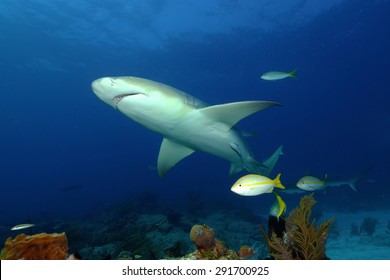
<point>98,85</point>
<point>103,90</point>
<point>95,85</point>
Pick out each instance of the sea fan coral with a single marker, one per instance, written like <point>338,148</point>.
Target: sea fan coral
<point>41,246</point>
<point>302,239</point>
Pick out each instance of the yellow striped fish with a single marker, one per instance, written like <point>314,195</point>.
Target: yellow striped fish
<point>254,184</point>
<point>310,183</point>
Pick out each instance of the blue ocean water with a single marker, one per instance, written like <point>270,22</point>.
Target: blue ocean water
<point>65,154</point>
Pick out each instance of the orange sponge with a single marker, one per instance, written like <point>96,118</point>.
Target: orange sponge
<point>203,236</point>
<point>41,246</point>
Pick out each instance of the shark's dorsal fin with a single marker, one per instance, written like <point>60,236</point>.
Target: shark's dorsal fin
<point>170,154</point>
<point>231,113</point>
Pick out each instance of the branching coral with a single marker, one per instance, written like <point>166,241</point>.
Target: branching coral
<point>278,249</point>
<point>302,239</point>
<point>41,246</point>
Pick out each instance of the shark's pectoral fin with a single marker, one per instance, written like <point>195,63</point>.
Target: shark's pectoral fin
<point>236,148</point>
<point>170,154</point>
<point>231,113</point>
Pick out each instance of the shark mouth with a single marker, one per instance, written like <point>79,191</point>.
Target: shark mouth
<point>119,97</point>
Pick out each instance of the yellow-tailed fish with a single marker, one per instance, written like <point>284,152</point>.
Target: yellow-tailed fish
<point>278,207</point>
<point>22,226</point>
<point>254,184</point>
<point>276,75</point>
<point>310,183</point>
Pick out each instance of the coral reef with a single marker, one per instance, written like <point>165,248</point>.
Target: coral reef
<point>41,246</point>
<point>301,239</point>
<point>335,231</point>
<point>208,247</point>
<point>354,230</point>
<point>173,251</point>
<point>368,227</point>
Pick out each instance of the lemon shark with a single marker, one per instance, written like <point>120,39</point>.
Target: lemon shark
<point>186,123</point>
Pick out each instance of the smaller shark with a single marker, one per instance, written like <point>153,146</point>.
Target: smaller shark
<point>310,183</point>
<point>186,123</point>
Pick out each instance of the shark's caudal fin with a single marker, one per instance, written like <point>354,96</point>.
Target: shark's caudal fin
<point>231,113</point>
<point>170,154</point>
<point>292,73</point>
<point>354,180</point>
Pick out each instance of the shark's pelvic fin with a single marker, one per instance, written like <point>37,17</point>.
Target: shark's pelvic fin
<point>235,168</point>
<point>231,113</point>
<point>170,154</point>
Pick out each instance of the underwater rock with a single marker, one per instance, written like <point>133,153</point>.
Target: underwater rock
<point>99,252</point>
<point>126,255</point>
<point>173,251</point>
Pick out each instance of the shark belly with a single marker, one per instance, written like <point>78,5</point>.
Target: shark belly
<point>187,126</point>
<point>203,135</point>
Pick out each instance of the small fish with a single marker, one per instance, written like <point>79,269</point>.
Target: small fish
<point>310,183</point>
<point>152,167</point>
<point>254,184</point>
<point>278,207</point>
<point>245,252</point>
<point>22,226</point>
<point>276,75</point>
<point>74,256</point>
